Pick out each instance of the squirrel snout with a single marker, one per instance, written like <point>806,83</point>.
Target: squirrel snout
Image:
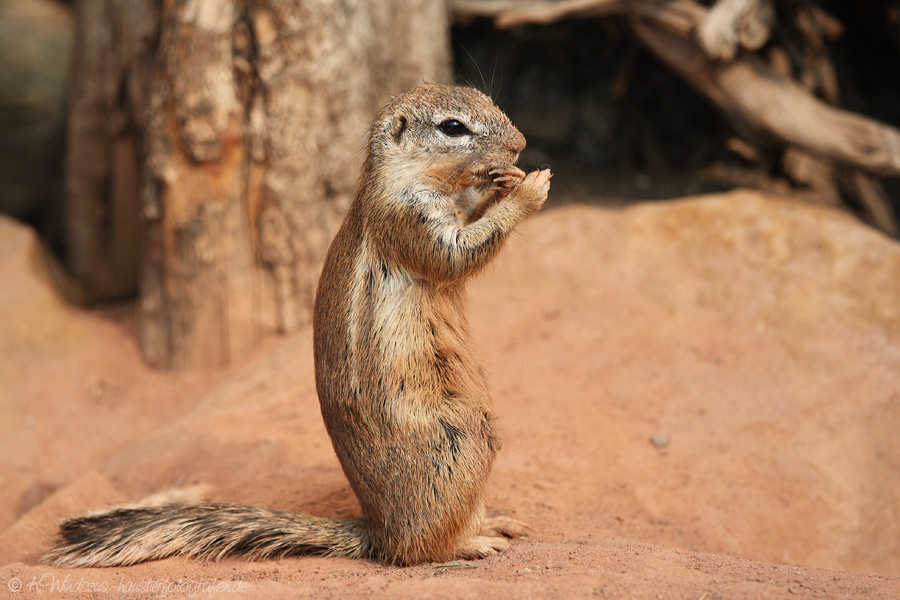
<point>517,142</point>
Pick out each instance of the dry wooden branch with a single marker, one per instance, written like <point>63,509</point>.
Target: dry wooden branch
<point>813,21</point>
<point>678,15</point>
<point>464,11</point>
<point>764,105</point>
<point>735,23</point>
<point>813,172</point>
<point>510,13</point>
<point>817,72</point>
<point>874,205</point>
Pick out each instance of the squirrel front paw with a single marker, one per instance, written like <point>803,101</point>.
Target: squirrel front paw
<point>531,193</point>
<point>526,193</point>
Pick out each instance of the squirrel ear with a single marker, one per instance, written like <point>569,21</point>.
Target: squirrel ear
<point>398,126</point>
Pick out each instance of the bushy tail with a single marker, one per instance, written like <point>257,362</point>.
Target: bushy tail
<point>126,536</point>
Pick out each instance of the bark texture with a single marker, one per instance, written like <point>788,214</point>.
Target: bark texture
<point>239,142</point>
<point>110,74</point>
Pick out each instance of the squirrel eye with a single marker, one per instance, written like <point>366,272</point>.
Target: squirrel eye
<point>453,128</point>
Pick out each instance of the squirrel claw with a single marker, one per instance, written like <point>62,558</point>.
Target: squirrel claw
<point>505,179</point>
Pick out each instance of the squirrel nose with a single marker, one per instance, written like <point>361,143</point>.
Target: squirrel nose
<point>517,141</point>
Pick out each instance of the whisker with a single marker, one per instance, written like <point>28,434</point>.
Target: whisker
<point>492,94</point>
<point>474,64</point>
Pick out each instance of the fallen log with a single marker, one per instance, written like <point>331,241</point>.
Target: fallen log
<point>749,92</point>
<point>765,106</point>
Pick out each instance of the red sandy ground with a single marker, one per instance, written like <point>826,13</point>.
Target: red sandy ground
<point>756,342</point>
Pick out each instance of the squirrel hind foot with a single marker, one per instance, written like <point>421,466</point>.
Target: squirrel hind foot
<point>504,526</point>
<point>480,546</point>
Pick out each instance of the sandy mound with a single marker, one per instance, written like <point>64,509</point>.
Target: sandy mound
<point>695,396</point>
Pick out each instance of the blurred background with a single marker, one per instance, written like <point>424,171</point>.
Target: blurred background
<point>139,136</point>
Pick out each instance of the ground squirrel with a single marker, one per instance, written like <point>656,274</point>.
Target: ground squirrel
<point>404,400</point>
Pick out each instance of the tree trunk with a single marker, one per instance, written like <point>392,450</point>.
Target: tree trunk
<point>251,117</point>
<point>101,228</point>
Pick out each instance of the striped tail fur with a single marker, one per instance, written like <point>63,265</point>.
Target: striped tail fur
<point>126,536</point>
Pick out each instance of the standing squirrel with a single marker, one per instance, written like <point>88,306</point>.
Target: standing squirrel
<point>403,398</point>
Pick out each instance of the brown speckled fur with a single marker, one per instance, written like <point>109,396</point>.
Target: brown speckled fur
<point>404,400</point>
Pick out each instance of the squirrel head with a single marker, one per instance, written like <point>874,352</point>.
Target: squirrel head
<point>447,137</point>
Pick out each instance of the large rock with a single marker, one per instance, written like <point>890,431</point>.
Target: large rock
<point>73,389</point>
<point>36,326</point>
<point>34,313</point>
